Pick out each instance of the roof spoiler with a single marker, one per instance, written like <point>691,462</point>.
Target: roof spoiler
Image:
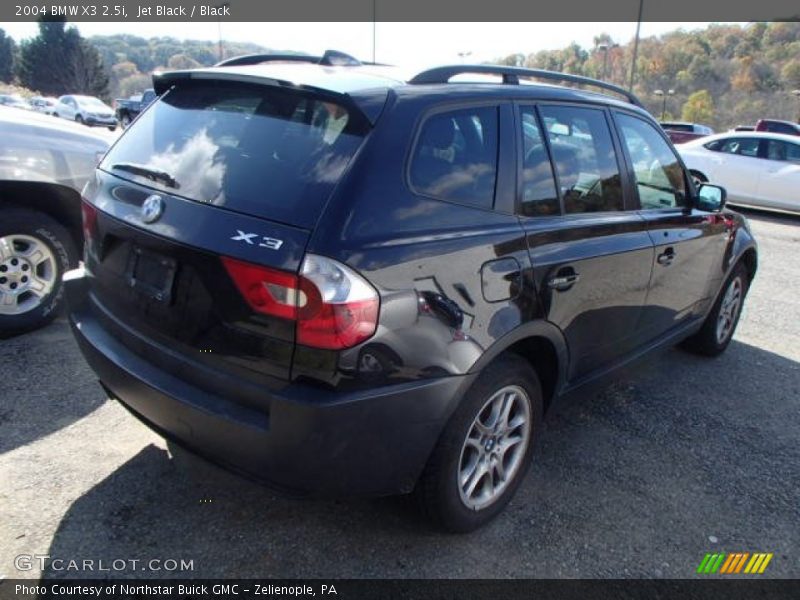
<point>370,103</point>
<point>331,58</point>
<point>512,75</point>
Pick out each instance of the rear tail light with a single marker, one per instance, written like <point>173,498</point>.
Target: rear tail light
<point>333,306</point>
<point>89,217</point>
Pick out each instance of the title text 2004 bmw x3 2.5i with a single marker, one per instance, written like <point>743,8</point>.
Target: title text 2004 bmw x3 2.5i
<point>338,281</point>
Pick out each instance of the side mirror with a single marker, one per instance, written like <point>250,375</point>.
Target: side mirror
<point>711,198</point>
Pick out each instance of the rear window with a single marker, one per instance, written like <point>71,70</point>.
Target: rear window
<point>258,150</point>
<point>781,128</point>
<point>678,127</point>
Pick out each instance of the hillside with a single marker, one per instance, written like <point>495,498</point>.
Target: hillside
<point>131,59</point>
<point>749,72</point>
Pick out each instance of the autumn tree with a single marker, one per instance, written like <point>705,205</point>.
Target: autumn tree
<point>790,73</point>
<point>699,108</point>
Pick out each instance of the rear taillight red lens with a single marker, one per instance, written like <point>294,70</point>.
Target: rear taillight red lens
<point>267,291</point>
<point>333,306</point>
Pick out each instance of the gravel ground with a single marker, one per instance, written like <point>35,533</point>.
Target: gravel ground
<point>640,479</point>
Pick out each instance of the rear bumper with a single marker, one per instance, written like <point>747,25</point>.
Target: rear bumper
<point>305,440</point>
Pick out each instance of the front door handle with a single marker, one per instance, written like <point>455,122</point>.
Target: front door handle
<point>666,257</point>
<point>563,282</point>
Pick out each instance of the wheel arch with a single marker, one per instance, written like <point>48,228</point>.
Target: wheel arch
<point>750,260</point>
<point>60,202</point>
<point>542,345</point>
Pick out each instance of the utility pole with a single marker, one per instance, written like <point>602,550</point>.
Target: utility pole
<point>219,27</point>
<point>604,48</point>
<point>636,45</point>
<point>796,94</point>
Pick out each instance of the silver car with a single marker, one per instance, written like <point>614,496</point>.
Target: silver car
<point>44,163</point>
<point>86,110</point>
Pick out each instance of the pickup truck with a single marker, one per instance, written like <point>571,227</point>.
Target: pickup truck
<point>128,109</point>
<point>778,126</point>
<point>44,165</point>
<point>680,133</point>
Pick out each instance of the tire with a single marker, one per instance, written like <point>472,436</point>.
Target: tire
<point>26,236</point>
<point>79,120</point>
<point>713,338</point>
<point>439,492</point>
<point>125,120</point>
<point>112,127</point>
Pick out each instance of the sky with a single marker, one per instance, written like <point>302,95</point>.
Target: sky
<point>403,44</point>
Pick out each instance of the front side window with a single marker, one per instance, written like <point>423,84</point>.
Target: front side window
<point>659,176</point>
<point>584,157</point>
<point>740,146</point>
<point>539,197</point>
<point>456,156</point>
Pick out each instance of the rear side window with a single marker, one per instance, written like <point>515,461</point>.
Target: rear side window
<point>584,157</point>
<point>254,149</point>
<point>456,156</point>
<point>783,151</point>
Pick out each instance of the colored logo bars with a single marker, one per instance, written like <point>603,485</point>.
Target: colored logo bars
<point>734,563</point>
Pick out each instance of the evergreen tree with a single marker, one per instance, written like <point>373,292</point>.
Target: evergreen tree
<point>59,61</point>
<point>7,51</point>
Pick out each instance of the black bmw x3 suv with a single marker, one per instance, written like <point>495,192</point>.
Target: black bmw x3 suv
<point>337,280</point>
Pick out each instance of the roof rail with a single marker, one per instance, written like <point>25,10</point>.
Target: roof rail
<point>512,75</point>
<point>331,58</point>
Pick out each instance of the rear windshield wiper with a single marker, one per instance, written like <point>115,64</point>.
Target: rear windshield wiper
<point>149,172</point>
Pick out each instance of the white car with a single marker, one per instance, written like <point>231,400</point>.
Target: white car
<point>43,104</point>
<point>86,110</point>
<point>757,169</point>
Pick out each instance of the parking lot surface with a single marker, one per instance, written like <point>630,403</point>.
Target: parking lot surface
<point>680,457</point>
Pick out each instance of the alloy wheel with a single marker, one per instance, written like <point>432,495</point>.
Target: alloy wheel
<point>729,310</point>
<point>494,448</point>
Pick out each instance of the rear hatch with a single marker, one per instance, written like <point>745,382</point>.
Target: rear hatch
<point>215,176</point>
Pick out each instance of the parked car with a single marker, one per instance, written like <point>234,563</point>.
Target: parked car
<point>13,101</point>
<point>339,281</point>
<point>44,163</point>
<point>744,128</point>
<point>680,133</point>
<point>757,169</point>
<point>128,109</point>
<point>86,110</point>
<point>44,104</point>
<point>776,126</point>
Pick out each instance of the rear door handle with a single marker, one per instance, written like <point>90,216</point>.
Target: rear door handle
<point>666,257</point>
<point>563,282</point>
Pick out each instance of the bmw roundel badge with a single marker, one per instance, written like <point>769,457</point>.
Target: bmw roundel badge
<point>152,208</point>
